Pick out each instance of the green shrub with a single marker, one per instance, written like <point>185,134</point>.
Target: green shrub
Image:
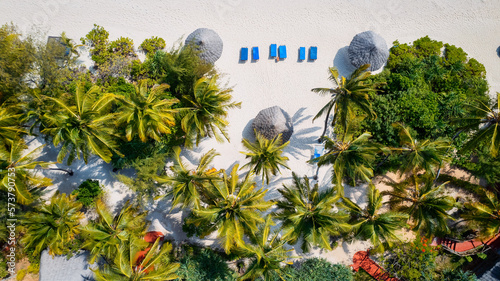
<point>317,269</point>
<point>151,45</point>
<point>21,274</point>
<point>204,265</point>
<point>87,192</point>
<point>458,275</point>
<point>362,275</point>
<point>426,90</point>
<point>3,267</point>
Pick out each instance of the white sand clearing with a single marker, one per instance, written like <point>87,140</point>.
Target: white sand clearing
<point>330,25</point>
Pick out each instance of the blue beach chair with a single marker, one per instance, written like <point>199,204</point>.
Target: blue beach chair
<point>244,54</point>
<point>255,53</point>
<point>302,53</point>
<point>272,51</point>
<point>282,52</point>
<point>313,53</point>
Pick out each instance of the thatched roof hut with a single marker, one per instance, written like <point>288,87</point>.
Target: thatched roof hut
<point>272,121</point>
<point>207,42</point>
<point>368,48</point>
<point>60,268</point>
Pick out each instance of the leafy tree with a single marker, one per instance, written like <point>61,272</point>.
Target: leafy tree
<point>188,185</point>
<point>53,225</point>
<point>348,94</point>
<point>146,114</point>
<point>487,125</point>
<point>87,192</point>
<point>130,264</point>
<point>268,253</point>
<point>417,155</point>
<point>24,179</point>
<point>81,129</point>
<point>371,224</point>
<point>350,157</point>
<point>103,235</point>
<point>425,89</point>
<point>205,111</point>
<point>151,45</point>
<point>203,265</point>
<point>16,59</point>
<point>309,214</point>
<point>265,156</point>
<point>233,208</point>
<point>426,205</point>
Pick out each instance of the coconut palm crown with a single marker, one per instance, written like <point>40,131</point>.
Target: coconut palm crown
<point>486,214</point>
<point>146,113</point>
<point>309,214</point>
<point>233,208</point>
<point>265,156</point>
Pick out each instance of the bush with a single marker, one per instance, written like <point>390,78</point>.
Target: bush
<point>458,275</point>
<point>425,89</point>
<point>151,45</point>
<point>204,265</point>
<point>21,274</point>
<point>317,269</point>
<point>362,275</point>
<point>87,192</point>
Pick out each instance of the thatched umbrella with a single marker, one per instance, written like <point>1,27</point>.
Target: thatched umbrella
<point>272,121</point>
<point>207,42</point>
<point>368,47</point>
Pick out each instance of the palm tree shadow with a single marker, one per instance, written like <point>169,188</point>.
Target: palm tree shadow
<point>301,141</point>
<point>248,132</point>
<point>342,63</point>
<point>273,186</point>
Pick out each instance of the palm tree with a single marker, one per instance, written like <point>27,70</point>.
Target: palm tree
<point>82,129</point>
<point>486,214</point>
<point>107,231</point>
<point>233,208</point>
<point>53,226</point>
<point>132,264</point>
<point>206,111</point>
<point>187,185</point>
<point>146,114</point>
<point>265,156</point>
<point>418,155</point>
<point>347,94</point>
<point>14,162</point>
<point>426,206</point>
<point>350,157</point>
<point>10,126</point>
<point>308,214</point>
<point>268,254</point>
<point>488,121</point>
<point>371,224</point>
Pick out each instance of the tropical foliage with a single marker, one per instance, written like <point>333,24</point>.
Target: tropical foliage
<point>233,208</point>
<point>204,264</point>
<point>347,95</point>
<point>486,214</point>
<point>371,224</point>
<point>132,263</point>
<point>54,225</point>
<point>309,214</point>
<point>265,156</point>
<point>108,230</point>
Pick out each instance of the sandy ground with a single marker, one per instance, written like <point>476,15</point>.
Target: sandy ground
<point>330,25</point>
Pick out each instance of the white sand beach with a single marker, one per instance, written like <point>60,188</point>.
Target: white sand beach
<point>329,25</point>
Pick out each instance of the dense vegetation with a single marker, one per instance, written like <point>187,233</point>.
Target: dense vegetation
<point>426,108</point>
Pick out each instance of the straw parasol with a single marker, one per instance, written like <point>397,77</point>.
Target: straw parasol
<point>207,42</point>
<point>272,121</point>
<point>368,48</point>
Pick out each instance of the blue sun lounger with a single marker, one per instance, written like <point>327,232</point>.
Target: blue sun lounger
<point>244,54</point>
<point>255,53</point>
<point>302,53</point>
<point>272,51</point>
<point>282,52</point>
<point>313,53</point>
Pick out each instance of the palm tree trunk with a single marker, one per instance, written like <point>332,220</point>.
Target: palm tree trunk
<point>326,125</point>
<point>68,171</point>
